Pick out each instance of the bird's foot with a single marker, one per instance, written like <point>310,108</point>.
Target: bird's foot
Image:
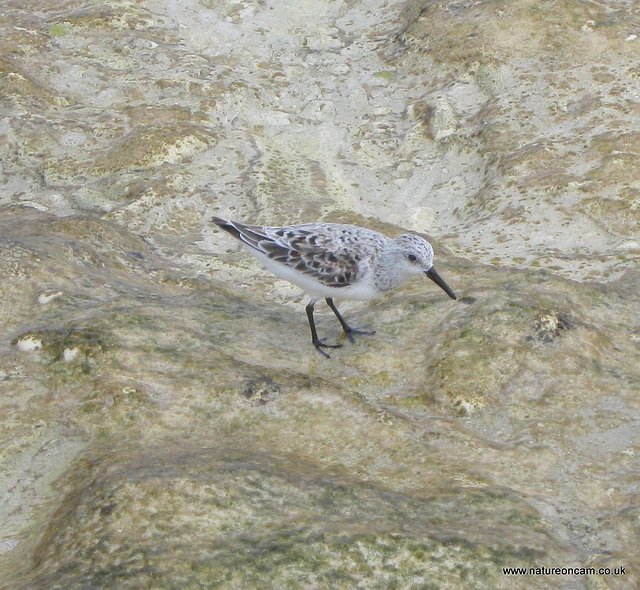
<point>351,331</point>
<point>319,344</point>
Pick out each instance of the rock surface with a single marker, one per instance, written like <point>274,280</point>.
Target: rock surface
<point>165,421</point>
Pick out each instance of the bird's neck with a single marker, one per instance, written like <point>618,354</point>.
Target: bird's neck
<point>389,276</point>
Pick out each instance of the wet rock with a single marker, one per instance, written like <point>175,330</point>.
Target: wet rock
<point>261,390</point>
<point>550,325</point>
<point>137,523</point>
<point>23,87</point>
<point>166,421</point>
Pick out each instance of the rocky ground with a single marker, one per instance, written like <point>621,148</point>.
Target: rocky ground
<point>165,421</point>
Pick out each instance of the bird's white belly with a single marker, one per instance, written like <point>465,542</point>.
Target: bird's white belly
<point>361,290</point>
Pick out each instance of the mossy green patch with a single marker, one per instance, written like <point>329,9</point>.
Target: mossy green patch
<point>386,75</point>
<point>57,30</point>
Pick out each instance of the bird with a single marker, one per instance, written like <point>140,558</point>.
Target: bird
<point>328,260</point>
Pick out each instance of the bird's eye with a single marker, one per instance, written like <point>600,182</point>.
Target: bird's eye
<point>412,257</point>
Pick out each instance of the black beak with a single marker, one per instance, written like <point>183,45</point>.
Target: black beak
<point>438,280</point>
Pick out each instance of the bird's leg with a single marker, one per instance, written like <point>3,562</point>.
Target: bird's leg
<point>348,330</point>
<point>314,334</point>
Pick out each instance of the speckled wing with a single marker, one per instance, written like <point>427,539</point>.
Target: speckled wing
<point>326,258</point>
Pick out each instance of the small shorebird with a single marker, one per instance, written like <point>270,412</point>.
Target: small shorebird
<point>335,260</point>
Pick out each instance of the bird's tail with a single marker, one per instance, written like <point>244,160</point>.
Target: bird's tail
<point>227,226</point>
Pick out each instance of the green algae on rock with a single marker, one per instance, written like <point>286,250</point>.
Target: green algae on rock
<point>221,516</point>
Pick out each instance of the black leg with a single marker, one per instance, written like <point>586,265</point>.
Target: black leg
<point>348,330</point>
<point>314,334</point>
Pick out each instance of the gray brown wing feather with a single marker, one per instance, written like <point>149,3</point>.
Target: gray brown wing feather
<point>318,256</point>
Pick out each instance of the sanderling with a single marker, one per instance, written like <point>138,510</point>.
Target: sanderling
<point>335,260</point>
